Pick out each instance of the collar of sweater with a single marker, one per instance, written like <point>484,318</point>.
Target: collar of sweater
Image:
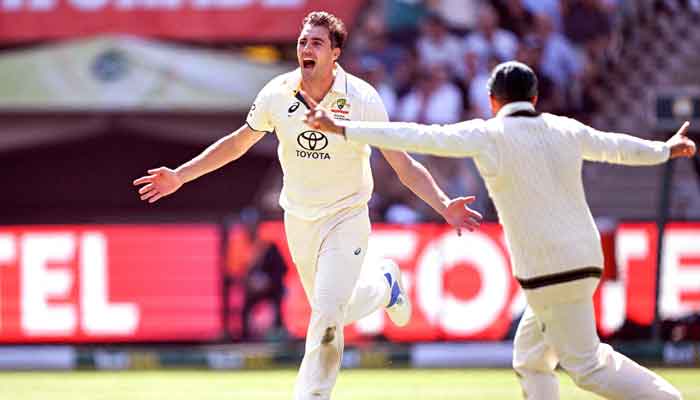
<point>514,107</point>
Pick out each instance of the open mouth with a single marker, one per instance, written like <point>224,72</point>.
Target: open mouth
<point>308,64</point>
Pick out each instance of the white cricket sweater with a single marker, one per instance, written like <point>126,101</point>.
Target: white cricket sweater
<point>532,169</point>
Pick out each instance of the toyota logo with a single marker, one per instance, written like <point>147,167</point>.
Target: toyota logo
<point>312,140</point>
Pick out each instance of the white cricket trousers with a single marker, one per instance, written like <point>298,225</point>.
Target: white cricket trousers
<point>558,327</point>
<point>328,254</point>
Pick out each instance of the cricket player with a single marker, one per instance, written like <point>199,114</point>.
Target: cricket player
<point>327,183</point>
<point>531,163</point>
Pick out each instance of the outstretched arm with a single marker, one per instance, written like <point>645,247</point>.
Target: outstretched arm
<point>618,148</point>
<point>417,178</point>
<point>163,181</point>
<point>465,139</point>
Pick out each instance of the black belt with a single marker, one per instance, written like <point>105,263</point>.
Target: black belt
<point>561,277</point>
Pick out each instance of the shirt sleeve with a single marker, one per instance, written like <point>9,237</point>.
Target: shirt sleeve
<point>258,118</point>
<point>619,148</point>
<point>465,139</point>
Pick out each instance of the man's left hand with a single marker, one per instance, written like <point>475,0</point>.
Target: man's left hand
<point>680,145</point>
<point>460,216</point>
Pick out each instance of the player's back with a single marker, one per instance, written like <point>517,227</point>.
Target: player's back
<point>538,192</point>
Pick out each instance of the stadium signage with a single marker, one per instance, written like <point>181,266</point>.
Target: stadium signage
<point>249,20</point>
<point>109,283</point>
<point>462,287</point>
<point>121,283</point>
<point>131,5</point>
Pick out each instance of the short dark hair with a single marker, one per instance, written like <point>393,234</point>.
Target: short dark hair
<point>512,81</point>
<point>336,28</point>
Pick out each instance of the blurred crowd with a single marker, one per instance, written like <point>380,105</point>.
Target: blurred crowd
<point>430,61</point>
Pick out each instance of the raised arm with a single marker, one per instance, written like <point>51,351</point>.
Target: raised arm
<point>163,181</point>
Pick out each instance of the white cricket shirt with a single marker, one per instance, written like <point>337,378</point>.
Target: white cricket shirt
<point>532,169</point>
<point>323,173</point>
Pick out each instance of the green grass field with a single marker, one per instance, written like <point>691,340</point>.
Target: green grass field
<point>403,384</point>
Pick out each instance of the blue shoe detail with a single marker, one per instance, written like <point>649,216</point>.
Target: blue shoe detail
<point>395,291</point>
<point>399,307</point>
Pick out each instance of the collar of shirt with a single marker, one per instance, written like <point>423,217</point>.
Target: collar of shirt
<point>514,107</point>
<point>340,83</point>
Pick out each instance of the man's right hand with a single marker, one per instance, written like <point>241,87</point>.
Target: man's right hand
<point>679,143</point>
<point>159,182</point>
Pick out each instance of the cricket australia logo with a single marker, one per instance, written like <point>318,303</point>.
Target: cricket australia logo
<point>312,142</point>
<point>341,109</point>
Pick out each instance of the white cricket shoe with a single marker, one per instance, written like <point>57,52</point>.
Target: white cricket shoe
<point>399,307</point>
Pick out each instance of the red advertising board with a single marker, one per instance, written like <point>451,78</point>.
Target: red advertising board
<point>241,20</point>
<point>462,287</point>
<point>129,283</point>
<point>124,283</point>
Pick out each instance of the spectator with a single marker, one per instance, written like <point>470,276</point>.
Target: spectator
<point>372,70</point>
<point>375,43</point>
<point>549,98</point>
<point>436,45</point>
<point>551,8</point>
<point>479,105</point>
<point>433,100</point>
<point>489,40</point>
<point>459,15</point>
<point>406,74</point>
<point>560,61</point>
<point>515,17</point>
<point>263,283</point>
<point>402,17</point>
<point>585,21</point>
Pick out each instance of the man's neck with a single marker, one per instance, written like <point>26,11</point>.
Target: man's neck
<point>514,107</point>
<point>318,88</point>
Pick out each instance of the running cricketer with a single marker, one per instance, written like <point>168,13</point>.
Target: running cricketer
<point>327,184</point>
<point>531,163</point>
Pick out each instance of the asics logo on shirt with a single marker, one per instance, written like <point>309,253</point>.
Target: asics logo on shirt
<point>312,142</point>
